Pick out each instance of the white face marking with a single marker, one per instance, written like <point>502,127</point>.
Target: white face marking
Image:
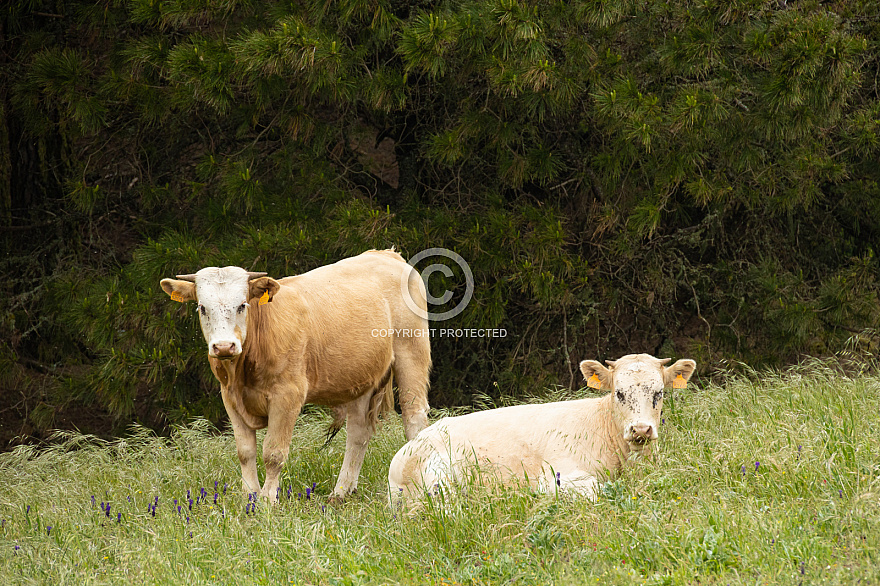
<point>638,396</point>
<point>222,295</point>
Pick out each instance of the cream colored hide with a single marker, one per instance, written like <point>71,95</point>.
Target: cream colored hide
<point>312,338</point>
<point>569,444</point>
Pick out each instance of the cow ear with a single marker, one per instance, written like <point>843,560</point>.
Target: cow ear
<point>596,375</point>
<point>684,368</point>
<point>264,288</point>
<point>181,291</point>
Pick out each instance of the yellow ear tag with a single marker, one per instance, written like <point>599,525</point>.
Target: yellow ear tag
<point>265,298</point>
<point>593,382</point>
<point>679,383</point>
<point>175,296</point>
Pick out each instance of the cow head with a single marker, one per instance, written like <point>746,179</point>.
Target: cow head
<point>224,296</point>
<point>637,382</point>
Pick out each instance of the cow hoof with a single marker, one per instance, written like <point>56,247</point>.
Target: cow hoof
<point>337,499</point>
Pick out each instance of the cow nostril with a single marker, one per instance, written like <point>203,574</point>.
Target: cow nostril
<point>223,349</point>
<point>642,433</point>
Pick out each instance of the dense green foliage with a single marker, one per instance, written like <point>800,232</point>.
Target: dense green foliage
<point>687,178</point>
<point>767,480</point>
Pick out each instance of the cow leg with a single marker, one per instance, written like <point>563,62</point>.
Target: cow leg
<point>359,430</point>
<point>276,445</point>
<point>246,446</point>
<point>245,442</point>
<point>412,367</point>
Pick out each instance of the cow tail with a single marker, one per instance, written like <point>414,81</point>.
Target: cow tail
<point>335,426</point>
<point>382,400</point>
<point>388,395</point>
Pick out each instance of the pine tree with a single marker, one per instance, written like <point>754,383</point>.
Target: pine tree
<point>688,178</point>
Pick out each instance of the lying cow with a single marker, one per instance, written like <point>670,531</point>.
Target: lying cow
<point>312,338</point>
<point>567,444</point>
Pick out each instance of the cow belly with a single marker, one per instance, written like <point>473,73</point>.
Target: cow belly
<point>342,377</point>
<point>333,397</point>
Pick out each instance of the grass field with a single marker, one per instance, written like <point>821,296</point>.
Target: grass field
<point>765,479</point>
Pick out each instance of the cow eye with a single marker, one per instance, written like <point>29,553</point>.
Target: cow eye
<point>241,307</point>
<point>202,309</point>
<point>620,396</point>
<point>657,398</point>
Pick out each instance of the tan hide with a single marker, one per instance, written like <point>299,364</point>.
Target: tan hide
<point>321,337</point>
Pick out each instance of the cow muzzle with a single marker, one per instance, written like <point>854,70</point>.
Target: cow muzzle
<point>640,434</point>
<point>224,350</point>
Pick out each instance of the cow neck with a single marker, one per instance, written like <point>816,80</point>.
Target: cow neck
<point>256,350</point>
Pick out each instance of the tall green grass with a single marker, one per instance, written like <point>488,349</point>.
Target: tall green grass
<point>768,478</point>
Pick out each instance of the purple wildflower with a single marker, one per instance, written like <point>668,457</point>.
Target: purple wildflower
<point>93,500</point>
<point>216,496</point>
<point>757,464</point>
<point>308,493</point>
<point>289,492</point>
<point>178,509</point>
<point>190,504</point>
<point>28,510</point>
<point>840,493</point>
<point>558,479</point>
<point>188,495</point>
<point>224,488</point>
<point>48,530</point>
<point>118,517</point>
<point>744,469</point>
<point>107,510</point>
<point>175,502</point>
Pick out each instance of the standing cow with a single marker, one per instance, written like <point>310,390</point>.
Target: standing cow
<point>567,444</point>
<point>332,336</point>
